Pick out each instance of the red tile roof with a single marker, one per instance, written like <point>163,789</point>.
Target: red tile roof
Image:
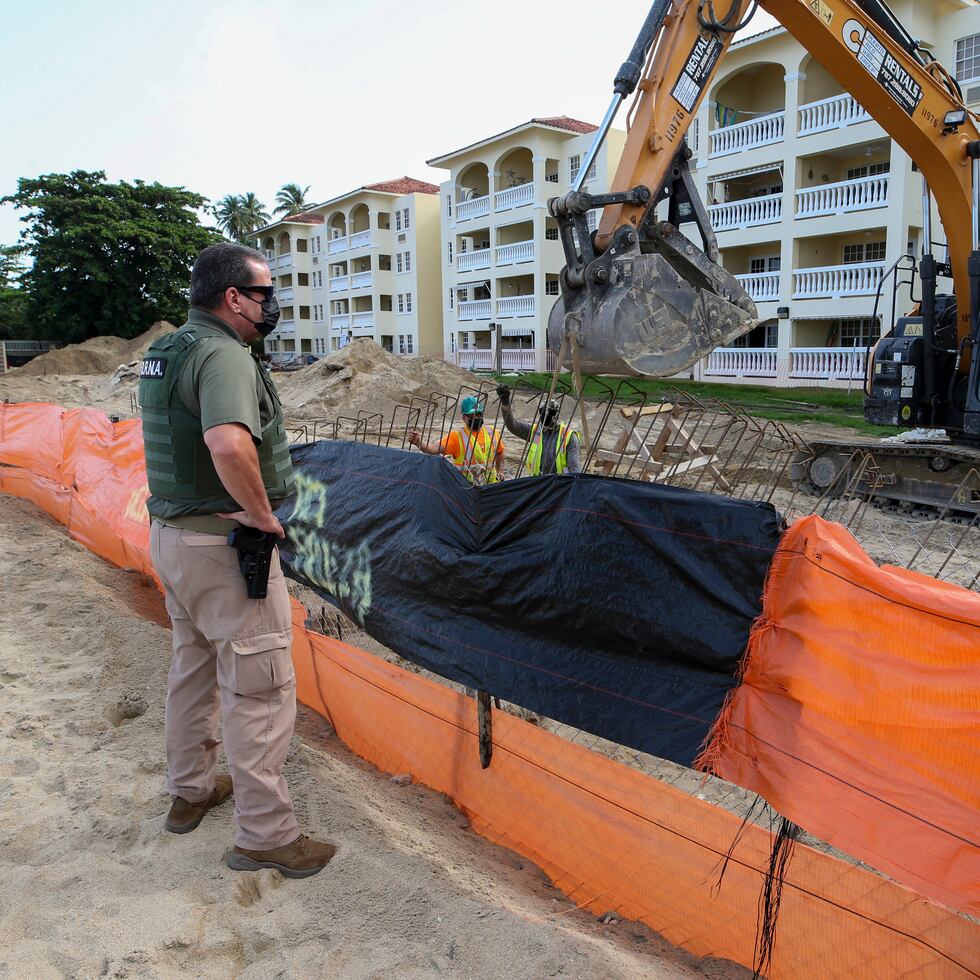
<point>305,218</point>
<point>403,185</point>
<point>566,122</point>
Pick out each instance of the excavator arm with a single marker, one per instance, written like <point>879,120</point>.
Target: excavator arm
<point>638,297</point>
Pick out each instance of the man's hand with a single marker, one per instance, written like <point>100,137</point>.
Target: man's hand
<point>269,524</point>
<point>415,437</point>
<point>503,393</point>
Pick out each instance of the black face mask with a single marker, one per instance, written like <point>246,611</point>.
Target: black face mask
<point>270,317</point>
<point>475,421</point>
<point>549,418</point>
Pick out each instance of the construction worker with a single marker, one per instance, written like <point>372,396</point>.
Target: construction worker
<point>553,446</point>
<point>217,459</point>
<point>477,450</point>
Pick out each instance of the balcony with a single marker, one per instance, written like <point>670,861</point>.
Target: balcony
<point>362,321</point>
<point>361,240</point>
<point>860,194</point>
<point>485,360</point>
<point>285,261</point>
<point>361,280</point>
<point>336,245</point>
<point>827,363</point>
<point>285,294</point>
<point>478,309</point>
<point>340,322</point>
<point>339,284</point>
<point>516,306</point>
<point>762,287</point>
<point>514,197</point>
<point>515,253</point>
<point>469,261</point>
<point>743,362</point>
<point>833,113</point>
<point>761,131</point>
<point>746,213</point>
<point>477,207</point>
<point>286,328</point>
<point>832,281</point>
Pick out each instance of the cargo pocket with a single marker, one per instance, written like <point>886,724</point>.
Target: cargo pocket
<point>262,662</point>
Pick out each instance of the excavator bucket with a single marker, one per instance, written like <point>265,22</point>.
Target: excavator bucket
<point>637,314</point>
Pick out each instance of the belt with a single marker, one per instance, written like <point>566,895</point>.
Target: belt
<point>206,523</point>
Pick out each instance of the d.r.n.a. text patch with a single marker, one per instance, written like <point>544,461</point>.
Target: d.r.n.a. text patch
<point>153,367</point>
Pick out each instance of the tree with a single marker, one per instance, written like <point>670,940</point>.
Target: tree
<point>107,258</point>
<point>291,199</point>
<point>239,215</point>
<point>13,299</point>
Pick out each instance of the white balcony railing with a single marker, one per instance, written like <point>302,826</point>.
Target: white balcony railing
<point>285,294</point>
<point>828,363</point>
<point>361,320</point>
<point>361,239</point>
<point>743,362</point>
<point>361,280</point>
<point>859,194</point>
<point>511,360</point>
<point>513,197</point>
<point>340,322</point>
<point>516,306</point>
<point>761,286</point>
<point>474,208</point>
<point>515,253</point>
<point>286,327</point>
<point>285,260</point>
<point>834,113</point>
<point>760,131</point>
<point>468,261</point>
<point>477,309</point>
<point>339,284</point>
<point>336,245</point>
<point>831,281</point>
<point>746,213</point>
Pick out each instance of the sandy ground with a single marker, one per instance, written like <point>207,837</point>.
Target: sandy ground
<point>93,885</point>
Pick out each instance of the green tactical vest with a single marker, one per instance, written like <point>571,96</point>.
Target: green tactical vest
<point>535,449</point>
<point>179,468</point>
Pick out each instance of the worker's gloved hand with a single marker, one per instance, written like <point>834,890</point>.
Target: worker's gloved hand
<point>503,393</point>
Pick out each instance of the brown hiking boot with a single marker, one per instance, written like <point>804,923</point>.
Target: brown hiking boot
<point>184,817</point>
<point>297,859</point>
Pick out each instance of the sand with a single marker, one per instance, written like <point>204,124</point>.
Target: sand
<point>93,885</point>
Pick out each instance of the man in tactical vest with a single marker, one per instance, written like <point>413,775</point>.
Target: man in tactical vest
<point>553,446</point>
<point>217,459</point>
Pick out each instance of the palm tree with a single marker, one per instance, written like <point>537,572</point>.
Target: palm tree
<point>239,215</point>
<point>291,199</point>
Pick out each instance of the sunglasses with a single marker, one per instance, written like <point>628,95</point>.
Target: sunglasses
<point>267,291</point>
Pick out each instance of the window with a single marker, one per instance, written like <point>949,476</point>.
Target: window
<point>552,178</point>
<point>406,344</point>
<point>384,220</point>
<point>551,287</point>
<point>316,244</point>
<point>449,205</point>
<point>968,58</point>
<point>772,335</point>
<point>401,302</point>
<point>870,252</point>
<point>398,221</point>
<point>696,136</point>
<point>302,279</point>
<point>857,332</point>
<point>406,219</point>
<point>408,302</point>
<point>591,174</point>
<point>758,266</point>
<point>398,262</point>
<point>304,313</point>
<point>592,220</point>
<point>551,234</point>
<point>386,304</point>
<point>450,253</point>
<point>766,190</point>
<point>384,263</point>
<point>408,261</point>
<point>301,245</point>
<point>452,298</point>
<point>574,165</point>
<point>868,170</point>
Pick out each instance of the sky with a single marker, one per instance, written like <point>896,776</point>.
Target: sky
<point>228,96</point>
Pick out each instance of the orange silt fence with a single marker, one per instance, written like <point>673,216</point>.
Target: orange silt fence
<point>613,838</point>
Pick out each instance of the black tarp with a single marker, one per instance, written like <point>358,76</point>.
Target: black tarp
<point>618,607</point>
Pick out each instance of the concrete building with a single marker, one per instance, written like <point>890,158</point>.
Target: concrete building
<point>363,264</point>
<point>811,201</point>
<point>500,251</point>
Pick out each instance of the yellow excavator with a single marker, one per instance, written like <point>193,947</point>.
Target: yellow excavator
<point>640,297</point>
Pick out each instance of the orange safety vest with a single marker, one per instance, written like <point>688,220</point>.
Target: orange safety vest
<point>475,451</point>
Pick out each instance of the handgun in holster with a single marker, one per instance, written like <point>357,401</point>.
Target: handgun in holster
<point>255,550</point>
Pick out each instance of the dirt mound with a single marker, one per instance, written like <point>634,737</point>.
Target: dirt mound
<point>364,376</point>
<point>100,355</point>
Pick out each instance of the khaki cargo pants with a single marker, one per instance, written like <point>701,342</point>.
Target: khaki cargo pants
<point>233,651</point>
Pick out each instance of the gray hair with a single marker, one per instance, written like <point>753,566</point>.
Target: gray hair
<point>218,267</point>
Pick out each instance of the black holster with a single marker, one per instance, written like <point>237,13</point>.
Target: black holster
<point>254,549</point>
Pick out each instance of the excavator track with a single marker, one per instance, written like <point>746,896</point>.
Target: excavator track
<point>918,479</point>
